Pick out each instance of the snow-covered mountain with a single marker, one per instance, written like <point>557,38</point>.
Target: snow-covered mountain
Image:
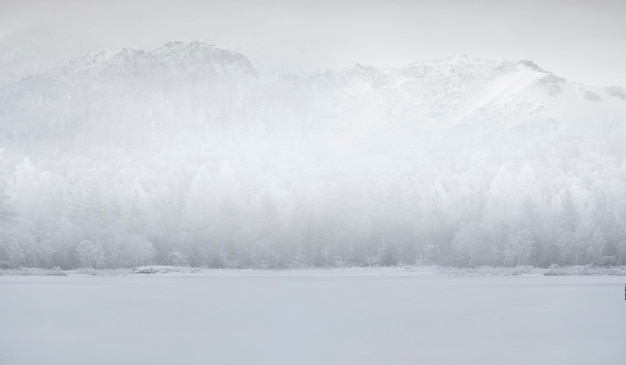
<point>459,89</point>
<point>186,59</point>
<point>193,84</point>
<point>178,84</point>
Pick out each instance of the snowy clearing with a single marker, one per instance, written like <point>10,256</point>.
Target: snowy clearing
<point>312,317</point>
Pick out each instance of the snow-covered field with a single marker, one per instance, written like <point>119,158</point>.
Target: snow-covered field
<point>312,317</point>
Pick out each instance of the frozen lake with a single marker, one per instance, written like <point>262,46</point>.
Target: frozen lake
<point>312,318</point>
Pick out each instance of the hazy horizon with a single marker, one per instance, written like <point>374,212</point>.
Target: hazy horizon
<point>578,40</point>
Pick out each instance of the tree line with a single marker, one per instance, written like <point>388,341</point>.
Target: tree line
<point>259,200</point>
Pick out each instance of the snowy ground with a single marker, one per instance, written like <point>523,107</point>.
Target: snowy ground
<point>312,317</point>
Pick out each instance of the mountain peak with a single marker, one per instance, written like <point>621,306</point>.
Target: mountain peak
<point>199,55</point>
<point>186,44</point>
<point>198,60</point>
<point>530,64</point>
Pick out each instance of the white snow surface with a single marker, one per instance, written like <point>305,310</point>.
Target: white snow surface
<point>312,317</point>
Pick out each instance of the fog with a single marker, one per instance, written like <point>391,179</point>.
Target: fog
<point>186,155</point>
<point>354,182</point>
<point>241,135</point>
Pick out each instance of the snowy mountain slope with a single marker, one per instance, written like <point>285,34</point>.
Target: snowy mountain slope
<point>175,63</point>
<point>460,89</point>
<point>178,58</point>
<point>178,83</point>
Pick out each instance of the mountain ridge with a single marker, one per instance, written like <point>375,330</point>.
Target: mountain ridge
<point>195,83</point>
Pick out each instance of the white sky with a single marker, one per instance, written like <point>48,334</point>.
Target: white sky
<point>579,40</point>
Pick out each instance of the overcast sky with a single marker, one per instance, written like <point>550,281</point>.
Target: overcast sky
<point>579,40</point>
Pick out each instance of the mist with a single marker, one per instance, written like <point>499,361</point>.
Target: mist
<point>296,182</point>
<point>186,154</point>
